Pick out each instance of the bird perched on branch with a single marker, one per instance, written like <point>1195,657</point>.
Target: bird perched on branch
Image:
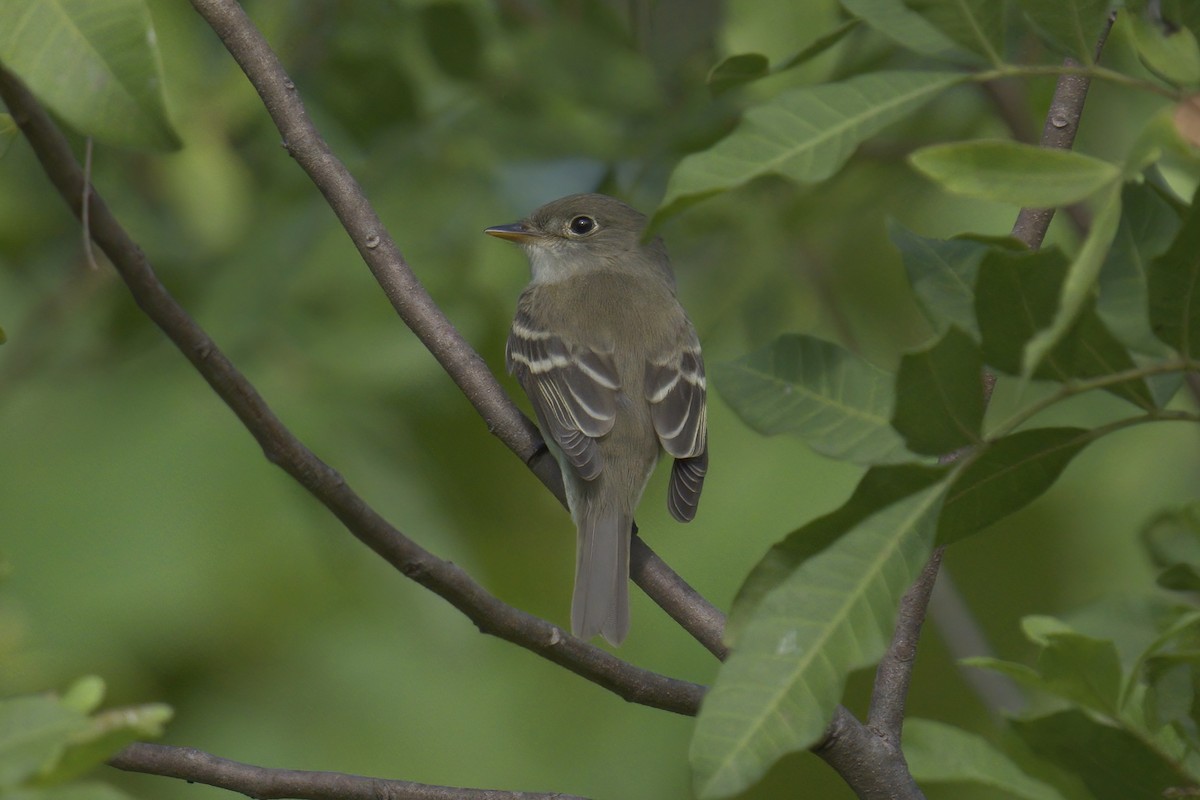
<point>612,366</point>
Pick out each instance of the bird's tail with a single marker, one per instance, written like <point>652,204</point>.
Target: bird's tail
<point>601,600</point>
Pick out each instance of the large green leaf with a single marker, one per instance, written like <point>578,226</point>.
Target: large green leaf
<point>95,63</point>
<point>1074,666</point>
<point>940,753</point>
<point>939,396</point>
<point>777,691</point>
<point>1174,288</point>
<point>34,731</point>
<point>1148,225</point>
<point>1113,763</point>
<point>1173,55</point>
<point>1008,475</point>
<point>907,28</point>
<point>1017,295</point>
<point>977,25</point>
<point>1011,172</point>
<point>1078,285</point>
<point>838,403</point>
<point>804,134</point>
<point>1072,25</point>
<point>942,274</point>
<point>879,488</point>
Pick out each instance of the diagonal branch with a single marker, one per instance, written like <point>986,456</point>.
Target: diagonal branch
<point>265,783</point>
<point>414,305</point>
<point>282,448</point>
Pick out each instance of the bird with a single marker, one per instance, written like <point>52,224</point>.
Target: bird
<point>612,366</point>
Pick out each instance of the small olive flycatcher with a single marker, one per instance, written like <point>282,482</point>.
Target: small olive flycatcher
<point>612,366</point>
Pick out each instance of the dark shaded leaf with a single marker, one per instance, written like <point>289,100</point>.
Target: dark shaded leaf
<point>1112,763</point>
<point>1172,539</point>
<point>939,396</point>
<point>942,273</point>
<point>1009,474</point>
<point>1081,668</point>
<point>1017,295</point>
<point>1174,288</point>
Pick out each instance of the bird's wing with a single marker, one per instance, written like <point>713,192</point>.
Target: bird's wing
<point>676,390</point>
<point>573,390</point>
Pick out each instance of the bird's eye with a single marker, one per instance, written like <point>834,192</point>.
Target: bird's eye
<point>582,225</point>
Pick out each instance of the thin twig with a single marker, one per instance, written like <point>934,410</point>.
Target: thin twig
<point>282,448</point>
<point>265,783</point>
<point>418,310</point>
<point>85,224</point>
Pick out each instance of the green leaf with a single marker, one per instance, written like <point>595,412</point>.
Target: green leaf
<point>108,733</point>
<point>33,732</point>
<point>1076,667</point>
<point>939,396</point>
<point>737,70</point>
<point>778,689</point>
<point>977,25</point>
<point>1172,538</point>
<point>1113,763</point>
<point>1072,25</point>
<point>879,488</point>
<point>804,134</point>
<point>1016,295</point>
<point>95,64</point>
<point>743,68</point>
<point>1148,225</point>
<point>942,273</point>
<point>940,753</point>
<point>84,695</point>
<point>1174,288</point>
<point>1079,283</point>
<point>896,21</point>
<point>84,790</point>
<point>838,403</point>
<point>1011,172</point>
<point>1006,476</point>
<point>1173,56</point>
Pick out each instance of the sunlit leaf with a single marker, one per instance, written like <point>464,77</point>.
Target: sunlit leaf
<point>1011,172</point>
<point>879,488</point>
<point>804,134</point>
<point>839,404</point>
<point>939,395</point>
<point>941,753</point>
<point>1174,288</point>
<point>1173,55</point>
<point>96,64</point>
<point>977,25</point>
<point>1072,25</point>
<point>778,689</point>
<point>33,731</point>
<point>1078,285</point>
<point>1009,474</point>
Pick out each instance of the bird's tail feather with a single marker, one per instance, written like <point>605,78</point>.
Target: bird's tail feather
<point>601,600</point>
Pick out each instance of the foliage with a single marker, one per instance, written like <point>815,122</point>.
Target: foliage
<point>865,145</point>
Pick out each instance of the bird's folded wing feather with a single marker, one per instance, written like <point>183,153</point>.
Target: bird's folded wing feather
<point>573,390</point>
<point>676,389</point>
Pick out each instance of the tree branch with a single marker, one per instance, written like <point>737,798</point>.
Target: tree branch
<point>264,783</point>
<point>282,448</point>
<point>414,305</point>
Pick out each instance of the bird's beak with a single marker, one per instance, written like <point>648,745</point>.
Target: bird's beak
<point>516,232</point>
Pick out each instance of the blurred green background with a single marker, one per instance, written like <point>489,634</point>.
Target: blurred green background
<point>148,541</point>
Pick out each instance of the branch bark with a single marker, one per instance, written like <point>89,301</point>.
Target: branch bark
<point>417,309</point>
<point>282,448</point>
<point>264,783</point>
